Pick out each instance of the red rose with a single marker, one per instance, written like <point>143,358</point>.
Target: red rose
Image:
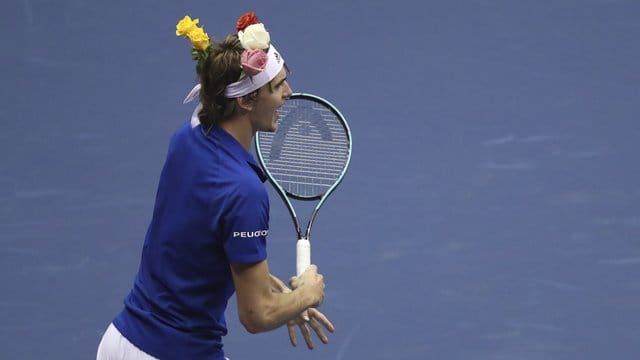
<point>245,20</point>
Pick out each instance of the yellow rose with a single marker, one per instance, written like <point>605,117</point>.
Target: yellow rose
<point>186,25</point>
<point>199,38</point>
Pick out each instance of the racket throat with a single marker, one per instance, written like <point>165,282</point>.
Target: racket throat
<point>303,255</point>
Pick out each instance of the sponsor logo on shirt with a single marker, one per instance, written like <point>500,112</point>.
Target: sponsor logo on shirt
<point>250,234</point>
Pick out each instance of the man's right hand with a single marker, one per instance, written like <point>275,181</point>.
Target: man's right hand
<point>312,282</point>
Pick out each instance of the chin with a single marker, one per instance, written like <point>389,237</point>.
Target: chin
<point>269,128</point>
<point>272,128</point>
<point>274,124</point>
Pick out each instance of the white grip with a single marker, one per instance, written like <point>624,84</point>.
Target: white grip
<point>303,255</point>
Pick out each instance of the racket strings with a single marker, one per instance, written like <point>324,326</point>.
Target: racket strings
<point>310,150</point>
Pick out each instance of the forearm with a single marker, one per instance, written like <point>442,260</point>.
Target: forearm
<point>260,306</point>
<point>282,307</point>
<point>278,285</point>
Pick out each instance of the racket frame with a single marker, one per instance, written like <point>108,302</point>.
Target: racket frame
<point>303,245</point>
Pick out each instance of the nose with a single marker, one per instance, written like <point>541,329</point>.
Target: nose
<point>287,90</point>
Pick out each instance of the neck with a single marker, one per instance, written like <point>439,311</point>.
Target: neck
<point>242,131</point>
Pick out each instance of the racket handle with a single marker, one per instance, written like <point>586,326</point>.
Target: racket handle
<point>303,255</point>
<point>303,260</point>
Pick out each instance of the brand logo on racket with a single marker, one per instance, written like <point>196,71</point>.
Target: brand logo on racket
<point>303,120</point>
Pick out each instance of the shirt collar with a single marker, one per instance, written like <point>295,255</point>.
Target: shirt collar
<point>229,141</point>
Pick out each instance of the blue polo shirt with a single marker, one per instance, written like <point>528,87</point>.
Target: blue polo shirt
<point>211,210</point>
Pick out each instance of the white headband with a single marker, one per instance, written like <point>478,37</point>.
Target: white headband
<point>193,94</point>
<point>249,84</point>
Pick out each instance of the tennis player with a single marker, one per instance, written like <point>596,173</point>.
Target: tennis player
<point>207,236</point>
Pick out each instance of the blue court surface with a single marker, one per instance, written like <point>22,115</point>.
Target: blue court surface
<point>492,207</point>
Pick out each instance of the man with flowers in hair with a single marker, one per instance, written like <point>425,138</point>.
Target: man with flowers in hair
<point>207,236</point>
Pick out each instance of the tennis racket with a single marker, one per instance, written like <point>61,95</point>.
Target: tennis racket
<point>305,159</point>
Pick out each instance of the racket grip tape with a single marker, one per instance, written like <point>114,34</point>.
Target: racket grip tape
<point>303,255</point>
<point>303,260</point>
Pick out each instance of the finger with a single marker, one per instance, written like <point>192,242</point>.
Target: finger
<point>316,314</point>
<point>306,334</point>
<point>291,328</point>
<point>318,329</point>
<point>282,287</point>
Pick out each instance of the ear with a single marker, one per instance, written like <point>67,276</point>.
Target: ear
<point>245,103</point>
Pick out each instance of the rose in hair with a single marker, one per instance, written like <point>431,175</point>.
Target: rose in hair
<point>254,37</point>
<point>186,25</point>
<point>253,61</point>
<point>245,20</point>
<point>199,38</point>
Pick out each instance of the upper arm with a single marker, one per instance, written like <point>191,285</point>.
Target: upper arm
<point>245,225</point>
<point>253,293</point>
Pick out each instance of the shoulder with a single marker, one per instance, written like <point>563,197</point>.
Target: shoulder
<point>247,185</point>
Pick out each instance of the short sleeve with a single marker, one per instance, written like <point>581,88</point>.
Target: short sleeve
<point>246,223</point>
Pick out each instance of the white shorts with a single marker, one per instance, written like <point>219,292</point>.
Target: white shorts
<point>114,346</point>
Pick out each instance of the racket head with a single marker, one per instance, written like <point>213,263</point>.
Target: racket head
<point>309,153</point>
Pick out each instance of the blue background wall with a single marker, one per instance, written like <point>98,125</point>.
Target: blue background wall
<point>492,210</point>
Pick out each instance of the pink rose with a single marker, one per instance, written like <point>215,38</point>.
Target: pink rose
<point>253,61</point>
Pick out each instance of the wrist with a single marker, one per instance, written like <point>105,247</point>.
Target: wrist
<point>307,298</point>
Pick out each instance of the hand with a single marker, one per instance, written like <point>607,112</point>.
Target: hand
<point>311,280</point>
<point>316,318</point>
<point>312,317</point>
